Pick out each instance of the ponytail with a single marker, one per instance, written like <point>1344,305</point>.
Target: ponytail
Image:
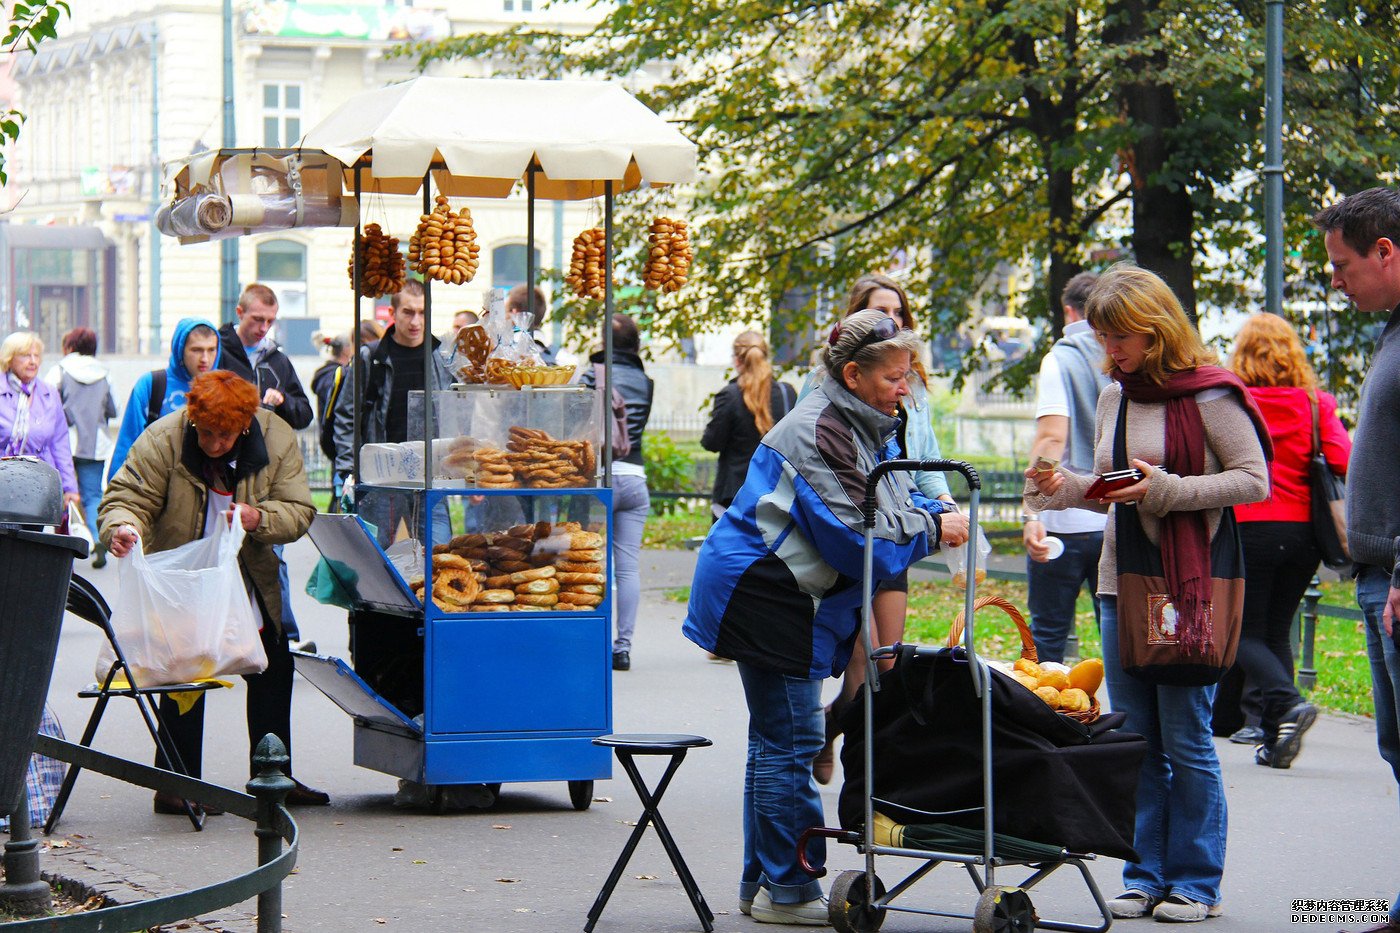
<point>755,378</point>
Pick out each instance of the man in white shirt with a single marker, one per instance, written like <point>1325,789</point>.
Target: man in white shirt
<point>1071,378</point>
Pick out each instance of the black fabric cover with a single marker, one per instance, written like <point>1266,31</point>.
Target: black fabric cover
<point>1055,781</point>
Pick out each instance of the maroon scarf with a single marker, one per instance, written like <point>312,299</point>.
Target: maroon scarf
<point>1185,541</point>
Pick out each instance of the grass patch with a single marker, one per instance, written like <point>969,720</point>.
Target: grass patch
<point>673,529</point>
<point>677,594</point>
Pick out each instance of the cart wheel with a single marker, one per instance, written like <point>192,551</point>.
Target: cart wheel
<point>581,794</point>
<point>1004,910</point>
<point>438,800</point>
<point>849,907</point>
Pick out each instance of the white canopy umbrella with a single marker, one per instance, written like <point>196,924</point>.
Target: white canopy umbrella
<point>481,135</point>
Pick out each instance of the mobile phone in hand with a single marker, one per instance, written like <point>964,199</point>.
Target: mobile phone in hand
<point>1116,479</point>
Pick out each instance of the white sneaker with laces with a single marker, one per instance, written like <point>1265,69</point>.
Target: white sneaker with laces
<point>1131,904</point>
<point>811,913</point>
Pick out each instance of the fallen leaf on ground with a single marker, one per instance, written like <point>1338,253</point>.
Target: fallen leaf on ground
<point>60,844</point>
<point>501,826</point>
<point>380,920</point>
<point>396,849</point>
<point>508,880</point>
<point>420,861</point>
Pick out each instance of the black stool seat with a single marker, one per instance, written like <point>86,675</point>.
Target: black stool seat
<point>626,746</point>
<point>652,743</point>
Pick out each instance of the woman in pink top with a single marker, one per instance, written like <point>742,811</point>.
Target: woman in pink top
<point>1280,552</point>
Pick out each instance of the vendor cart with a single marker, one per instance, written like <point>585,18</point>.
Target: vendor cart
<point>441,695</point>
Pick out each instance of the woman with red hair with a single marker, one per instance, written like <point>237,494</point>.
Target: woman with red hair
<point>220,458</point>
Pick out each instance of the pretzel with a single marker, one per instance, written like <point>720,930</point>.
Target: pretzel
<point>579,599</point>
<point>529,434</point>
<point>496,596</point>
<point>534,573</point>
<point>537,599</point>
<point>576,579</point>
<point>538,586</point>
<point>474,343</point>
<point>497,484</point>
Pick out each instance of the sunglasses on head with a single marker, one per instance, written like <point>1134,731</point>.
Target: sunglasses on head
<point>884,329</point>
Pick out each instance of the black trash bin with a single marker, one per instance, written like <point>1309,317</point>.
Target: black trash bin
<point>35,567</point>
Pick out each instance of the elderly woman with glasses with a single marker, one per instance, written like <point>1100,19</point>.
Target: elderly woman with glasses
<point>32,422</point>
<point>777,589</point>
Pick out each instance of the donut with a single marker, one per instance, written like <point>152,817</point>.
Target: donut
<point>537,599</point>
<point>455,561</point>
<point>496,596</point>
<point>571,566</point>
<point>586,600</point>
<point>534,573</point>
<point>592,589</point>
<point>573,579</point>
<point>538,586</point>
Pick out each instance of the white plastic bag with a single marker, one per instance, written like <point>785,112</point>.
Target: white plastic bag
<point>184,614</point>
<point>957,560</point>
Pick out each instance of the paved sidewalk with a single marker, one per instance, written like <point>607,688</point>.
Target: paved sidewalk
<point>1324,830</point>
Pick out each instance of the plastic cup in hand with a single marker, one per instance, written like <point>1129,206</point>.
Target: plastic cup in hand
<point>1054,546</point>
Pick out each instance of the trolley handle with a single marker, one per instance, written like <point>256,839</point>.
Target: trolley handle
<point>968,471</point>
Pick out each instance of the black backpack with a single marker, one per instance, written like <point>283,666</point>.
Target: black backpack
<point>157,399</point>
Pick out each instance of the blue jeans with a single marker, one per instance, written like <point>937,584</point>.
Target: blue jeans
<point>781,799</point>
<point>1181,822</point>
<point>289,622</point>
<point>631,503</point>
<point>1372,591</point>
<point>89,475</point>
<point>1054,589</point>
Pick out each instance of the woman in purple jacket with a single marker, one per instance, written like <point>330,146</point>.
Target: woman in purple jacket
<point>32,423</point>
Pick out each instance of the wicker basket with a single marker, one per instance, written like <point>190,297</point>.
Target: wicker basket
<point>955,634</point>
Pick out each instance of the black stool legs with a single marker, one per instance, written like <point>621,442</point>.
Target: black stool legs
<point>651,800</point>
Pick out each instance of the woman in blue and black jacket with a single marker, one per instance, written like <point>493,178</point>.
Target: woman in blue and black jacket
<point>777,588</point>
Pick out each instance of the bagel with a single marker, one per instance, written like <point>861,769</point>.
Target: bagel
<point>512,566</point>
<point>573,566</point>
<point>529,433</point>
<point>494,484</point>
<point>540,560</point>
<point>537,599</point>
<point>538,586</point>
<point>498,582</point>
<point>491,607</point>
<point>441,548</point>
<point>534,573</point>
<point>466,541</point>
<point>496,596</point>
<point>524,532</point>
<point>455,586</point>
<point>471,553</point>
<point>566,527</point>
<point>585,539</point>
<point>582,554</point>
<point>592,589</point>
<point>567,578</point>
<point>586,600</point>
<point>526,607</point>
<point>454,561</point>
<point>497,554</point>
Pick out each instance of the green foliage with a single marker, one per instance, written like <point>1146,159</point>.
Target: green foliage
<point>669,468</point>
<point>975,138</point>
<point>31,22</point>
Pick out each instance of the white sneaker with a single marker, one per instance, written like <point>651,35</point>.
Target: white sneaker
<point>811,913</point>
<point>746,906</point>
<point>1176,908</point>
<point>1131,904</point>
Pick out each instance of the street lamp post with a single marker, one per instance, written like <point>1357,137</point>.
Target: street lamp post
<point>1273,156</point>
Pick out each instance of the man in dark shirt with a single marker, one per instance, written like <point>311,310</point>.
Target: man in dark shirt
<point>249,350</point>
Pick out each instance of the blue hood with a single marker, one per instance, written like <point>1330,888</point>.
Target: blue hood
<point>176,366</point>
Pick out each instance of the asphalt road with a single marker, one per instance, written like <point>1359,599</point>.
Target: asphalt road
<point>1326,829</point>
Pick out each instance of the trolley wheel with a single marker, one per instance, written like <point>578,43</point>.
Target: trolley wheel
<point>437,801</point>
<point>1004,910</point>
<point>849,907</point>
<point>581,794</point>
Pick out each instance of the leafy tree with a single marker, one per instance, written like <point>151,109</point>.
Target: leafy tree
<point>31,22</point>
<point>976,137</point>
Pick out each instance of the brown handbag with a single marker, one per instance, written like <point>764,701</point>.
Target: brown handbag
<point>1148,648</point>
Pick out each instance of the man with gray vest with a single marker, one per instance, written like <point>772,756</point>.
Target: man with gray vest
<point>1362,237</point>
<point>1062,547</point>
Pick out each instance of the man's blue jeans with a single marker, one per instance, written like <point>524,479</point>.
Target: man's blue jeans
<point>781,799</point>
<point>1181,821</point>
<point>1054,589</point>
<point>89,476</point>
<point>1372,591</point>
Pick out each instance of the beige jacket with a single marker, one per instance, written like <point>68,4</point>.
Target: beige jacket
<point>159,492</point>
<point>1236,471</point>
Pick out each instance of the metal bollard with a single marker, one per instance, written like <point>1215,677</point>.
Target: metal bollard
<point>1307,672</point>
<point>24,891</point>
<point>270,786</point>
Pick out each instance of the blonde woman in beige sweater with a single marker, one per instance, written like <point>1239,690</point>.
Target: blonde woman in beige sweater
<point>1199,441</point>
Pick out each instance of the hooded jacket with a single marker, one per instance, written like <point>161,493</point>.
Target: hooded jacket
<point>275,371</point>
<point>162,495</point>
<point>777,582</point>
<point>82,383</point>
<point>177,383</point>
<point>48,428</point>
